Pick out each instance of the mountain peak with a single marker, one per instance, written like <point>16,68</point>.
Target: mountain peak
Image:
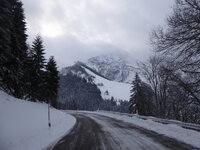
<point>113,66</point>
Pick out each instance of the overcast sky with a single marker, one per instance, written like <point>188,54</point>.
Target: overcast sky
<point>79,29</point>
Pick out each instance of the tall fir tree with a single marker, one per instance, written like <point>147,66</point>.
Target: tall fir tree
<point>14,52</point>
<point>135,94</point>
<point>18,47</point>
<point>20,34</point>
<point>37,61</point>
<point>5,38</point>
<point>141,99</point>
<point>38,54</point>
<point>19,26</point>
<point>31,75</point>
<point>138,100</point>
<point>52,79</point>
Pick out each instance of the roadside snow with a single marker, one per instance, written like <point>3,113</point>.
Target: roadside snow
<point>24,125</point>
<point>187,136</point>
<point>119,90</point>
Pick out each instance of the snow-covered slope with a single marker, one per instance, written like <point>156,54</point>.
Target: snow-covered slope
<point>118,90</point>
<point>114,67</point>
<point>111,73</point>
<point>24,125</point>
<point>108,88</point>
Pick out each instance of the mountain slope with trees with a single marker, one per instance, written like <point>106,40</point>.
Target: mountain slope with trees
<point>82,89</point>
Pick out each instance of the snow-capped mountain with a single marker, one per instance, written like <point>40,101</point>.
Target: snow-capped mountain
<point>108,88</point>
<point>113,67</point>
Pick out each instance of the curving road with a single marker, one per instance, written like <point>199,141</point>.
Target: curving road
<point>96,132</point>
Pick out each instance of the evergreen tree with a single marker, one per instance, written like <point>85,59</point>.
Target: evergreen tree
<point>37,61</point>
<point>141,98</point>
<point>5,51</point>
<point>38,54</point>
<point>18,47</point>
<point>31,76</point>
<point>19,27</point>
<point>52,81</point>
<point>135,95</point>
<point>13,46</point>
<point>20,36</point>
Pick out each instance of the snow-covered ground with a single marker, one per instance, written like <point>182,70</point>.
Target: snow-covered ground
<point>119,90</point>
<point>187,136</point>
<point>24,125</point>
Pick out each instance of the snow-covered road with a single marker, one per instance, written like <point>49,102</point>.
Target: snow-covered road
<point>97,132</point>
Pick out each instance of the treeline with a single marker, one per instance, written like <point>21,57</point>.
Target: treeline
<point>24,72</point>
<point>174,72</point>
<point>77,91</point>
<point>114,105</point>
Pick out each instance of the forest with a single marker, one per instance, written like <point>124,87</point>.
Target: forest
<point>24,73</point>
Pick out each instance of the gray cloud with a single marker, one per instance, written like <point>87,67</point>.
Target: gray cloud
<point>78,29</point>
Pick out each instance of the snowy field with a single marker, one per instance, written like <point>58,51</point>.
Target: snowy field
<point>187,136</point>
<point>24,125</point>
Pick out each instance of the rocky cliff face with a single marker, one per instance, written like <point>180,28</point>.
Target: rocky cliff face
<point>113,67</point>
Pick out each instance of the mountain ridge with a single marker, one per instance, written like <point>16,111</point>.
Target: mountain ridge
<point>83,87</point>
<point>113,67</point>
<point>107,87</point>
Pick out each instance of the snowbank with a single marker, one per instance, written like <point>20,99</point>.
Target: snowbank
<point>24,125</point>
<point>187,136</point>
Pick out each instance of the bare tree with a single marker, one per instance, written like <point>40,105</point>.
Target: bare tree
<point>157,78</point>
<point>180,42</point>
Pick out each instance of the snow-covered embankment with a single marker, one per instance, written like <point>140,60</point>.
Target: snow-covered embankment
<point>24,125</point>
